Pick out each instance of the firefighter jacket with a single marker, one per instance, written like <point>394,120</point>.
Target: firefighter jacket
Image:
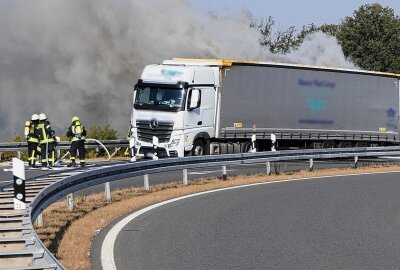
<point>30,132</point>
<point>44,132</point>
<point>76,131</point>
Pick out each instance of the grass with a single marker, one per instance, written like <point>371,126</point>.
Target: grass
<point>69,235</point>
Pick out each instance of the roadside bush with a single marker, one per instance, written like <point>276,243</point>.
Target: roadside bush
<point>7,156</point>
<point>105,132</point>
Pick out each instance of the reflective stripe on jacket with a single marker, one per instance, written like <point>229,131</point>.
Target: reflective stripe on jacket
<point>43,131</point>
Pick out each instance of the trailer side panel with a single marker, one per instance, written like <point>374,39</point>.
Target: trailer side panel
<point>294,98</point>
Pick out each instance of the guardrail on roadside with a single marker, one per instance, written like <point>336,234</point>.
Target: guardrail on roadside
<point>23,146</point>
<point>70,184</point>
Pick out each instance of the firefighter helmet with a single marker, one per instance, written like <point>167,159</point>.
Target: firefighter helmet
<point>42,117</point>
<point>35,117</point>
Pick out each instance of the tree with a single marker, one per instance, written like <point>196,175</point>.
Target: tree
<point>371,38</point>
<point>279,41</point>
<point>285,41</point>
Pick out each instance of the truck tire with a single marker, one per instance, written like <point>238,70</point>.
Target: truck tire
<point>200,148</point>
<point>230,148</point>
<point>223,148</point>
<point>236,148</point>
<point>245,147</point>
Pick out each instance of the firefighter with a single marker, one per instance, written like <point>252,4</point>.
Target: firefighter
<point>77,133</point>
<point>32,139</point>
<point>47,141</point>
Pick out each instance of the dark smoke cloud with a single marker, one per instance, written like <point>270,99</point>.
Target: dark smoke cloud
<point>73,57</point>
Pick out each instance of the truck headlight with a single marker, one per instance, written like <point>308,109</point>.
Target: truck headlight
<point>174,142</point>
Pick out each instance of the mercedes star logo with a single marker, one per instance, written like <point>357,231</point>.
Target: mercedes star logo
<point>153,124</point>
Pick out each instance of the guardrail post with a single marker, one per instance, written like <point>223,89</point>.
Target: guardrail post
<point>268,168</point>
<point>58,154</point>
<point>224,176</point>
<point>70,202</point>
<point>253,143</point>
<point>185,177</point>
<point>155,148</point>
<point>311,167</point>
<point>273,142</point>
<point>19,154</point>
<point>107,191</point>
<point>146,183</point>
<point>19,184</point>
<point>39,221</point>
<point>356,162</point>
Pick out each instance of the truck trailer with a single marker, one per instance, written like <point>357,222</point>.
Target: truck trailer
<point>211,106</point>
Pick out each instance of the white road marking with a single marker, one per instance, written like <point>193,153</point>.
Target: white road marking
<point>107,249</point>
<point>8,181</point>
<point>208,172</point>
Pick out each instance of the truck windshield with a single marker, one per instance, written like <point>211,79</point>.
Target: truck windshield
<point>157,98</point>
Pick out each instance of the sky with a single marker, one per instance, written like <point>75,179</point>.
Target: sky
<point>292,12</point>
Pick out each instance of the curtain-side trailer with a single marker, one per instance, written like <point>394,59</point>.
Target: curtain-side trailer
<point>195,106</point>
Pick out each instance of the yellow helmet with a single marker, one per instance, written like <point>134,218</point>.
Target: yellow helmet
<point>75,118</point>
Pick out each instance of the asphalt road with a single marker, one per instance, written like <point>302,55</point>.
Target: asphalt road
<point>329,223</point>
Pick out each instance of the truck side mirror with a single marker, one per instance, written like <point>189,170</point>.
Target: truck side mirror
<point>195,99</point>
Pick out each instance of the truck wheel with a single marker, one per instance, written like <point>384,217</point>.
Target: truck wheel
<point>245,147</point>
<point>223,149</point>
<point>199,148</point>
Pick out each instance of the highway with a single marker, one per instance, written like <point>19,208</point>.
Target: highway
<point>350,222</point>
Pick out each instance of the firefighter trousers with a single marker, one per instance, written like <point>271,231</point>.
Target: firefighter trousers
<point>32,152</point>
<point>78,145</point>
<point>48,155</point>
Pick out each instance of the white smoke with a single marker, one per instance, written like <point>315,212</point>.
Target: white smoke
<point>73,57</point>
<point>319,49</point>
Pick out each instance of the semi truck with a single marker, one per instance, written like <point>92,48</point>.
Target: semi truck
<point>213,106</point>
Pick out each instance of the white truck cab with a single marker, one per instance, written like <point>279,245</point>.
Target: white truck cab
<point>176,103</point>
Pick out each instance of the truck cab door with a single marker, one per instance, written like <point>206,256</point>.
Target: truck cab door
<point>194,112</point>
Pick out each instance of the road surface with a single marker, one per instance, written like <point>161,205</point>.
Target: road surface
<point>350,222</point>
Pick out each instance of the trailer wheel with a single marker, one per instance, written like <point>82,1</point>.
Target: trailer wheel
<point>223,148</point>
<point>199,148</point>
<point>361,144</point>
<point>245,147</point>
<point>328,144</point>
<point>345,145</point>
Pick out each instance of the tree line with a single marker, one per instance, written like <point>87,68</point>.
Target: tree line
<point>370,38</point>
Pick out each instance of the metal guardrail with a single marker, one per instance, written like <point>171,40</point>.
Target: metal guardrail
<point>70,184</point>
<point>23,146</point>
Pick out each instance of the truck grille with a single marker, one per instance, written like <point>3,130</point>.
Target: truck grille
<point>147,129</point>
